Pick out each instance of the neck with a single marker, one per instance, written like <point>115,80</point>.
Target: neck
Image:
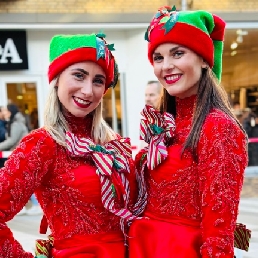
<point>81,126</point>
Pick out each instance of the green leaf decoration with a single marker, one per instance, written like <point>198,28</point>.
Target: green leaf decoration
<point>173,9</point>
<point>99,148</point>
<point>116,165</point>
<point>156,129</point>
<point>113,190</point>
<point>100,48</point>
<point>170,23</point>
<point>144,155</point>
<point>101,34</point>
<point>146,36</point>
<point>164,19</point>
<point>111,47</point>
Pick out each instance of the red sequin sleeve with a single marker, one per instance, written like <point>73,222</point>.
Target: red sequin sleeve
<point>22,174</point>
<point>222,157</point>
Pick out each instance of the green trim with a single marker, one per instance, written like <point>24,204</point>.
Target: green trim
<point>70,42</point>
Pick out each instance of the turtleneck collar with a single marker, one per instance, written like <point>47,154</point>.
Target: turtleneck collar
<point>81,126</point>
<point>185,107</point>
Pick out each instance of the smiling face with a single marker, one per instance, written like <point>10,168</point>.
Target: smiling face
<point>178,69</point>
<point>80,87</point>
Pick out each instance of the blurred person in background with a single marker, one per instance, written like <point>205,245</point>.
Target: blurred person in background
<point>2,131</point>
<point>153,93</point>
<point>2,124</point>
<point>16,128</point>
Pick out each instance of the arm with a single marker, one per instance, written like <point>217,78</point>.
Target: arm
<point>223,159</point>
<point>22,174</point>
<point>2,131</point>
<point>13,138</point>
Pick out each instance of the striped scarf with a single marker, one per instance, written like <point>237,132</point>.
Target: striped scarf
<point>111,161</point>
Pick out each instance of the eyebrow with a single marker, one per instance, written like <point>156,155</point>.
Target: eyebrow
<point>87,73</point>
<point>81,70</point>
<point>170,51</point>
<point>100,76</point>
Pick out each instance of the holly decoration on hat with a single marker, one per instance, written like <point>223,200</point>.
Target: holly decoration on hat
<point>170,17</point>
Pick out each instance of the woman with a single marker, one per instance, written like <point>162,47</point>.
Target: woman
<point>16,128</point>
<point>78,167</point>
<point>194,165</point>
<point>2,124</point>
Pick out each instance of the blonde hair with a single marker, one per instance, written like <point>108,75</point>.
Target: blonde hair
<point>56,124</point>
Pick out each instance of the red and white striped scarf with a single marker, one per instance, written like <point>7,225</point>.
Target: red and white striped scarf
<point>112,164</point>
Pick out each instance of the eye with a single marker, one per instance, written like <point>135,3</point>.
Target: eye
<point>79,76</point>
<point>99,81</point>
<point>158,58</point>
<point>178,54</point>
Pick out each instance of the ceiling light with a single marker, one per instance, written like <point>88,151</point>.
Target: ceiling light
<point>234,45</point>
<point>233,53</point>
<point>239,39</point>
<point>242,32</point>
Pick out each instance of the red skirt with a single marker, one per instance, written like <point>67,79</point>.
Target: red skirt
<point>162,237</point>
<point>96,246</point>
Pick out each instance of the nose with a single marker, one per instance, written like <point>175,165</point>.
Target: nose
<point>87,88</point>
<point>167,64</point>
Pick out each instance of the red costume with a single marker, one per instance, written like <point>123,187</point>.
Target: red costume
<point>193,205</point>
<point>69,192</point>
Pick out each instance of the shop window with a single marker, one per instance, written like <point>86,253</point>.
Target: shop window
<point>240,67</point>
<point>24,95</point>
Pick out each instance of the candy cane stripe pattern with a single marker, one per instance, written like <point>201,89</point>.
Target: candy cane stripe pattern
<point>111,162</point>
<point>156,129</point>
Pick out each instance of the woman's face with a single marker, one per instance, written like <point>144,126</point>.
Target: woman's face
<point>5,113</point>
<point>178,69</point>
<point>80,87</point>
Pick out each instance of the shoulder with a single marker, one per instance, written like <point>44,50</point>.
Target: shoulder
<point>218,121</point>
<point>39,136</point>
<point>220,129</point>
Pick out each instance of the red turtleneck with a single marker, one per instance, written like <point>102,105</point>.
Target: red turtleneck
<point>68,190</point>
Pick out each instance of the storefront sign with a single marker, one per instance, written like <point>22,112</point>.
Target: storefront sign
<point>13,50</point>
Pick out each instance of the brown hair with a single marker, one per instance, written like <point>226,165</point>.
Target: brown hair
<point>210,95</point>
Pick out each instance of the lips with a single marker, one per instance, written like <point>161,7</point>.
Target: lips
<point>170,79</point>
<point>81,102</point>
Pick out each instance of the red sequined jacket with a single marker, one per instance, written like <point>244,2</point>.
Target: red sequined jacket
<point>208,190</point>
<point>71,200</point>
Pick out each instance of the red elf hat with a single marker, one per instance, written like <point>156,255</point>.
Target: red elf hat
<point>199,31</point>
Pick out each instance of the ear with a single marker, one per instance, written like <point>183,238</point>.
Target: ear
<point>204,65</point>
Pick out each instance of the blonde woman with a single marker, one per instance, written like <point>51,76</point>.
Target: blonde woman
<point>77,166</point>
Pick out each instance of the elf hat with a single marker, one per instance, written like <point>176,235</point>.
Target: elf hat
<point>200,31</point>
<point>66,50</point>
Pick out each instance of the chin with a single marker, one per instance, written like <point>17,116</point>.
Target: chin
<point>79,114</point>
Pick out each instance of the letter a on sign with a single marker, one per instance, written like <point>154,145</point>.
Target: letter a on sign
<point>13,50</point>
<point>10,51</point>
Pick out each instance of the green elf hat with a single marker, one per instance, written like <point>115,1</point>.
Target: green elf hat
<point>200,31</point>
<point>66,50</point>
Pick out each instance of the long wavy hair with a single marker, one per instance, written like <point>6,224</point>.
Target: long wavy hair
<point>210,95</point>
<point>56,124</point>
